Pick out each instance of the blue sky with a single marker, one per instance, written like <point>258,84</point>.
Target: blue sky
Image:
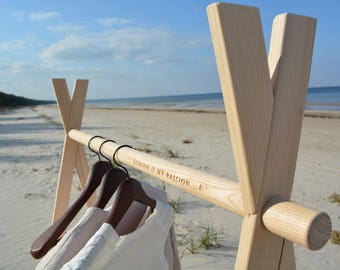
<point>136,48</point>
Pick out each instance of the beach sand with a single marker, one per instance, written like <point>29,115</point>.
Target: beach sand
<point>31,141</point>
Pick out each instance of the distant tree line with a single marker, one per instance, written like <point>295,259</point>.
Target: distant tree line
<point>9,100</point>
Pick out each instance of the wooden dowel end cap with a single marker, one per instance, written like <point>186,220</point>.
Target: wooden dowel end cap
<point>320,231</point>
<point>296,223</point>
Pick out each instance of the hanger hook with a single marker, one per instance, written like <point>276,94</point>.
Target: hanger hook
<point>89,143</point>
<point>115,160</point>
<point>100,148</point>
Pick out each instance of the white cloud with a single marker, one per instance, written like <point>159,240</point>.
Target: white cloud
<point>12,45</point>
<point>34,16</point>
<point>146,45</point>
<point>140,59</point>
<point>65,28</point>
<point>4,46</point>
<point>38,16</point>
<point>15,67</point>
<point>75,48</point>
<point>114,21</point>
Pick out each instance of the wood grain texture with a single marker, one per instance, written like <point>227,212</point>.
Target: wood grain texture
<point>219,191</point>
<point>65,178</point>
<point>296,223</point>
<point>293,61</point>
<point>76,112</point>
<point>71,112</point>
<point>241,59</point>
<point>83,168</point>
<point>63,100</point>
<point>222,192</point>
<point>77,105</point>
<point>287,261</point>
<point>290,60</point>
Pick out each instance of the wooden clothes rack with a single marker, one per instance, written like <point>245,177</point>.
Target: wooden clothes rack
<point>264,100</point>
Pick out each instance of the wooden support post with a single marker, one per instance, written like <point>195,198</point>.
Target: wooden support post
<point>290,56</point>
<point>71,112</point>
<point>244,75</point>
<point>289,62</point>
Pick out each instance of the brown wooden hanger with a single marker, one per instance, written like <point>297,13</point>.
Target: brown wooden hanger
<point>128,192</point>
<point>110,182</point>
<point>50,237</point>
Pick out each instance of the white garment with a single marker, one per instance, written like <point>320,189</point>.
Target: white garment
<point>70,244</point>
<point>142,249</point>
<point>75,239</point>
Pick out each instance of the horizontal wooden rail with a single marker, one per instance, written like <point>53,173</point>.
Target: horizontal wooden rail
<point>306,227</point>
<point>219,191</point>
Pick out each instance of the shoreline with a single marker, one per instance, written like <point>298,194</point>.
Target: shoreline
<point>307,113</point>
<point>329,114</point>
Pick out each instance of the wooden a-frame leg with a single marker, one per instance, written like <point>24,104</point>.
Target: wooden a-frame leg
<point>241,59</point>
<point>290,31</point>
<point>290,56</point>
<point>287,261</point>
<point>238,43</point>
<point>73,154</point>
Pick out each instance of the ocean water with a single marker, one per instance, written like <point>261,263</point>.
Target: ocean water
<point>318,98</point>
<point>323,98</point>
<point>211,100</point>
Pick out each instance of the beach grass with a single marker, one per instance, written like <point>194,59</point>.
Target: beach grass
<point>188,242</point>
<point>192,247</point>
<point>169,153</point>
<point>134,136</point>
<point>50,120</point>
<point>161,185</point>
<point>206,240</point>
<point>335,237</point>
<point>144,149</point>
<point>176,204</point>
<point>334,198</point>
<point>209,238</point>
